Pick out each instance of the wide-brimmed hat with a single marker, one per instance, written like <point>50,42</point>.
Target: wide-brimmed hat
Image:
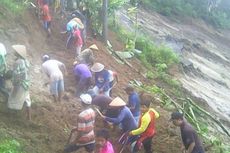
<point>20,49</point>
<point>93,47</point>
<point>117,102</point>
<point>86,98</point>
<point>97,67</point>
<point>79,23</point>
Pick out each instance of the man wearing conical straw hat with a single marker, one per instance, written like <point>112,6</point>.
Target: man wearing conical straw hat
<point>124,118</point>
<point>87,55</point>
<point>20,92</point>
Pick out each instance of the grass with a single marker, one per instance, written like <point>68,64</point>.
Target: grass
<point>10,146</point>
<point>14,6</point>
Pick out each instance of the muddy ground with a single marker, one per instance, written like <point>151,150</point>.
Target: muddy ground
<point>51,122</point>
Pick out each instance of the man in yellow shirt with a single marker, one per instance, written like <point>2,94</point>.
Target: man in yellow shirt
<point>146,129</point>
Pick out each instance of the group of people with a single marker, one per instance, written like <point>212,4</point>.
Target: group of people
<point>135,119</point>
<point>75,28</point>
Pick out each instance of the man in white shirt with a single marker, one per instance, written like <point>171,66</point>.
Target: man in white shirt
<point>53,69</point>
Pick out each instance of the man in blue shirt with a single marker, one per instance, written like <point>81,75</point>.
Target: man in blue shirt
<point>101,79</point>
<point>133,102</point>
<point>125,117</point>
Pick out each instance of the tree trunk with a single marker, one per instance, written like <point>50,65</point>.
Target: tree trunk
<point>105,20</point>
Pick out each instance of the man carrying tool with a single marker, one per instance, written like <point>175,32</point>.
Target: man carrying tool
<point>85,136</point>
<point>146,129</point>
<point>124,118</point>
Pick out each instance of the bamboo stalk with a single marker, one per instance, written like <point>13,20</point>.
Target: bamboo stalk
<point>194,117</point>
<point>209,115</point>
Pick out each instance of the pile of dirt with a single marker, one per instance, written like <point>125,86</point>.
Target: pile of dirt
<point>51,122</point>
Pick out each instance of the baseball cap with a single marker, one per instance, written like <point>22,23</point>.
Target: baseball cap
<point>86,98</point>
<point>176,115</point>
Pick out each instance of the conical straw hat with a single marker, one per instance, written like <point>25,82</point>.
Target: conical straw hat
<point>93,47</point>
<point>97,67</point>
<point>117,102</point>
<point>20,49</point>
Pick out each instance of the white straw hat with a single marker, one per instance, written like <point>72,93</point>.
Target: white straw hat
<point>93,47</point>
<point>117,102</point>
<point>20,49</point>
<point>97,67</point>
<point>86,98</point>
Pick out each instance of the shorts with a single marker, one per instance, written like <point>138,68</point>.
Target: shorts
<point>56,87</point>
<point>46,24</point>
<point>73,147</point>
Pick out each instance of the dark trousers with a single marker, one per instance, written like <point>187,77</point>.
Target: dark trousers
<point>69,41</point>
<point>147,143</point>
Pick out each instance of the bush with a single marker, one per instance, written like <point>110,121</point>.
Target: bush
<point>10,146</point>
<point>154,54</point>
<point>15,6</point>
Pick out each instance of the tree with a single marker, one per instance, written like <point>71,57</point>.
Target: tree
<point>105,20</point>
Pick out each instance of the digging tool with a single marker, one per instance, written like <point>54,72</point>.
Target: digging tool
<point>123,140</point>
<point>99,112</point>
<point>70,136</point>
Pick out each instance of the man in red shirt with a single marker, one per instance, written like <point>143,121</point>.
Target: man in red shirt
<point>46,17</point>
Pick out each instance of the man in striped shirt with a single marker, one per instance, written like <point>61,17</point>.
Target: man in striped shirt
<point>85,128</point>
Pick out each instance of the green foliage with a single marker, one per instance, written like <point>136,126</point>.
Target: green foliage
<point>219,17</point>
<point>95,11</point>
<point>10,146</point>
<point>158,55</point>
<point>15,6</point>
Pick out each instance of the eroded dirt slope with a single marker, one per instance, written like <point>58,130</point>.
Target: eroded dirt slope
<point>51,122</point>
